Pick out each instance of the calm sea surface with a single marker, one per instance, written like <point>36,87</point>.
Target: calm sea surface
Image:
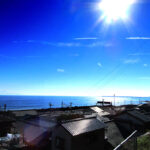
<point>36,102</point>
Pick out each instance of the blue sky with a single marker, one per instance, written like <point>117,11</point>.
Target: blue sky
<point>55,47</point>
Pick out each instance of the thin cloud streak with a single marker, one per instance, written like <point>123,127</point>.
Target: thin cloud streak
<point>145,65</point>
<point>138,38</point>
<point>86,38</point>
<point>95,44</point>
<point>66,44</point>
<point>140,54</point>
<point>60,70</point>
<point>62,44</point>
<point>131,61</point>
<point>99,64</point>
<point>59,44</point>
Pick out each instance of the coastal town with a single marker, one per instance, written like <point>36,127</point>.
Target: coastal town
<point>98,127</point>
<point>74,75</point>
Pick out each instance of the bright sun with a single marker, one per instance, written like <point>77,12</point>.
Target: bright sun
<point>113,10</point>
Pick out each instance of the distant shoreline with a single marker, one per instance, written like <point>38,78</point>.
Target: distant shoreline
<point>70,108</point>
<point>45,102</point>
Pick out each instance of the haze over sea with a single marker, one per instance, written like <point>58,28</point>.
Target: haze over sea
<point>39,102</point>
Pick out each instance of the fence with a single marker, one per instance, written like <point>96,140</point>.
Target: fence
<point>130,143</point>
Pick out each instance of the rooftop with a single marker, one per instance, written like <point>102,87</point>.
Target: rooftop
<point>139,115</point>
<point>113,134</point>
<point>81,126</point>
<point>100,111</point>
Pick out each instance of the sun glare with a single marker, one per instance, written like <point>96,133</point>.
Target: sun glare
<point>113,10</point>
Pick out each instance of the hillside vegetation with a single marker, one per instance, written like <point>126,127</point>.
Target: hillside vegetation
<point>143,142</point>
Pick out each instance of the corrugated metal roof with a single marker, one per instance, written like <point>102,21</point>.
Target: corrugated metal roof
<point>100,111</point>
<point>83,126</point>
<point>103,119</point>
<point>139,115</point>
<point>97,109</point>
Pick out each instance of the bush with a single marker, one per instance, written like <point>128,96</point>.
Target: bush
<point>143,142</point>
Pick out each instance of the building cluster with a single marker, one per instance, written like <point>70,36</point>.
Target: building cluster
<point>89,128</point>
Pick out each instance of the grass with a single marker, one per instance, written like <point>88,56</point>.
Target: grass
<point>143,142</point>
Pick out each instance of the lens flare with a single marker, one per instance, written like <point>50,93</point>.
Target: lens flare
<point>113,10</point>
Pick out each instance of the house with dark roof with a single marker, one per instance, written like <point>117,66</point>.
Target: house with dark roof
<point>144,107</point>
<point>129,121</point>
<point>81,134</point>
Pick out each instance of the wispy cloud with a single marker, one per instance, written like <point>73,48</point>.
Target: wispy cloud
<point>71,44</point>
<point>86,38</point>
<point>140,54</point>
<point>145,65</point>
<point>60,70</point>
<point>99,64</point>
<point>61,44</point>
<point>26,41</point>
<point>67,44</point>
<point>58,44</point>
<point>95,44</point>
<point>144,78</point>
<point>137,38</point>
<point>131,61</point>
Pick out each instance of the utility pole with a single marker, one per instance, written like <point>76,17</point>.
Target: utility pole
<point>62,104</point>
<point>50,105</point>
<point>131,102</point>
<point>70,104</point>
<point>114,99</point>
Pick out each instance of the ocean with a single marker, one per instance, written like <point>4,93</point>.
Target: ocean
<point>39,102</point>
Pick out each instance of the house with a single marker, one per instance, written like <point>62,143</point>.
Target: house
<point>132,120</point>
<point>80,134</point>
<point>145,107</point>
